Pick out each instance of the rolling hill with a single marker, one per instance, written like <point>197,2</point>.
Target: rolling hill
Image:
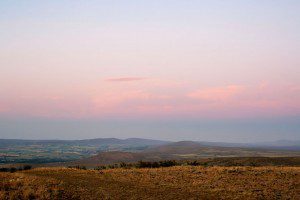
<point>112,150</point>
<point>184,150</point>
<point>47,151</point>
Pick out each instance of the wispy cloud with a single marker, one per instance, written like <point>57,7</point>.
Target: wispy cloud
<point>217,93</point>
<point>125,79</point>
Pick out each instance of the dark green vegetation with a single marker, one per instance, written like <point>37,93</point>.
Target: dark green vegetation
<point>205,162</point>
<point>14,169</point>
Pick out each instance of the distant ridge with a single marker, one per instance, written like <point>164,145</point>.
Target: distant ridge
<point>279,144</point>
<point>110,150</point>
<point>96,141</point>
<point>183,150</point>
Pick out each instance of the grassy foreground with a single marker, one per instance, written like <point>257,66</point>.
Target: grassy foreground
<point>180,182</point>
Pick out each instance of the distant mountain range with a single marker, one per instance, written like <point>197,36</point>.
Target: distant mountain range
<point>46,151</point>
<point>97,141</point>
<point>285,144</point>
<point>280,144</point>
<point>184,150</point>
<point>111,150</point>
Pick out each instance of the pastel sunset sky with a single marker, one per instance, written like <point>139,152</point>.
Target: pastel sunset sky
<point>164,69</point>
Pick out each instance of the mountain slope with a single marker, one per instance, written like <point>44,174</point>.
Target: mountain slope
<point>181,151</point>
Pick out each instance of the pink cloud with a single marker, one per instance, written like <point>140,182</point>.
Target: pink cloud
<point>160,98</point>
<point>125,79</point>
<point>122,100</point>
<point>111,99</point>
<point>272,97</point>
<point>262,99</point>
<point>217,93</point>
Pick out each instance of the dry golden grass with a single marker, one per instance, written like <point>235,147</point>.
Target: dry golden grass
<point>21,186</point>
<point>181,182</point>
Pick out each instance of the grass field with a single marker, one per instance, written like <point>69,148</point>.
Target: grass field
<point>180,182</point>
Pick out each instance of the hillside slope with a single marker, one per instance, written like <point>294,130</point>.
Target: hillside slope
<point>161,183</point>
<point>180,151</point>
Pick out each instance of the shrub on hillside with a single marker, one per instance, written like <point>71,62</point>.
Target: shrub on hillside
<point>27,167</point>
<point>164,163</point>
<point>168,163</point>
<point>12,169</point>
<point>78,167</point>
<point>4,169</point>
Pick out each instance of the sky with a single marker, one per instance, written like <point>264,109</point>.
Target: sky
<point>161,69</point>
